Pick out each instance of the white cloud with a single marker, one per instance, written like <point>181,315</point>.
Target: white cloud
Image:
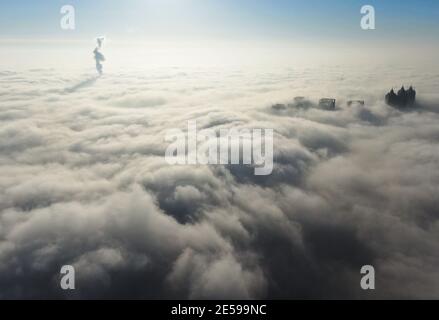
<point>84,182</point>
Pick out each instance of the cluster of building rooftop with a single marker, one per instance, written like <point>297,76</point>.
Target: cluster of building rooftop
<point>403,98</point>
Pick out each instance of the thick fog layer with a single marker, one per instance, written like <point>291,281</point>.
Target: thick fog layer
<point>84,182</point>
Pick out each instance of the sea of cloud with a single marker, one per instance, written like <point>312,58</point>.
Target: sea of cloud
<point>84,182</point>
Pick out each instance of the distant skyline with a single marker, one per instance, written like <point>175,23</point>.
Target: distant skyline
<point>222,20</point>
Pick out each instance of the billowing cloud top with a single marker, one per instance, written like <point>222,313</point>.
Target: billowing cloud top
<point>84,182</point>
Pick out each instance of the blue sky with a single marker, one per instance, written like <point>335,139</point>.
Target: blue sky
<point>336,20</point>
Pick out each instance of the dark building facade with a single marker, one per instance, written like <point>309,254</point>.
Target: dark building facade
<point>403,99</point>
